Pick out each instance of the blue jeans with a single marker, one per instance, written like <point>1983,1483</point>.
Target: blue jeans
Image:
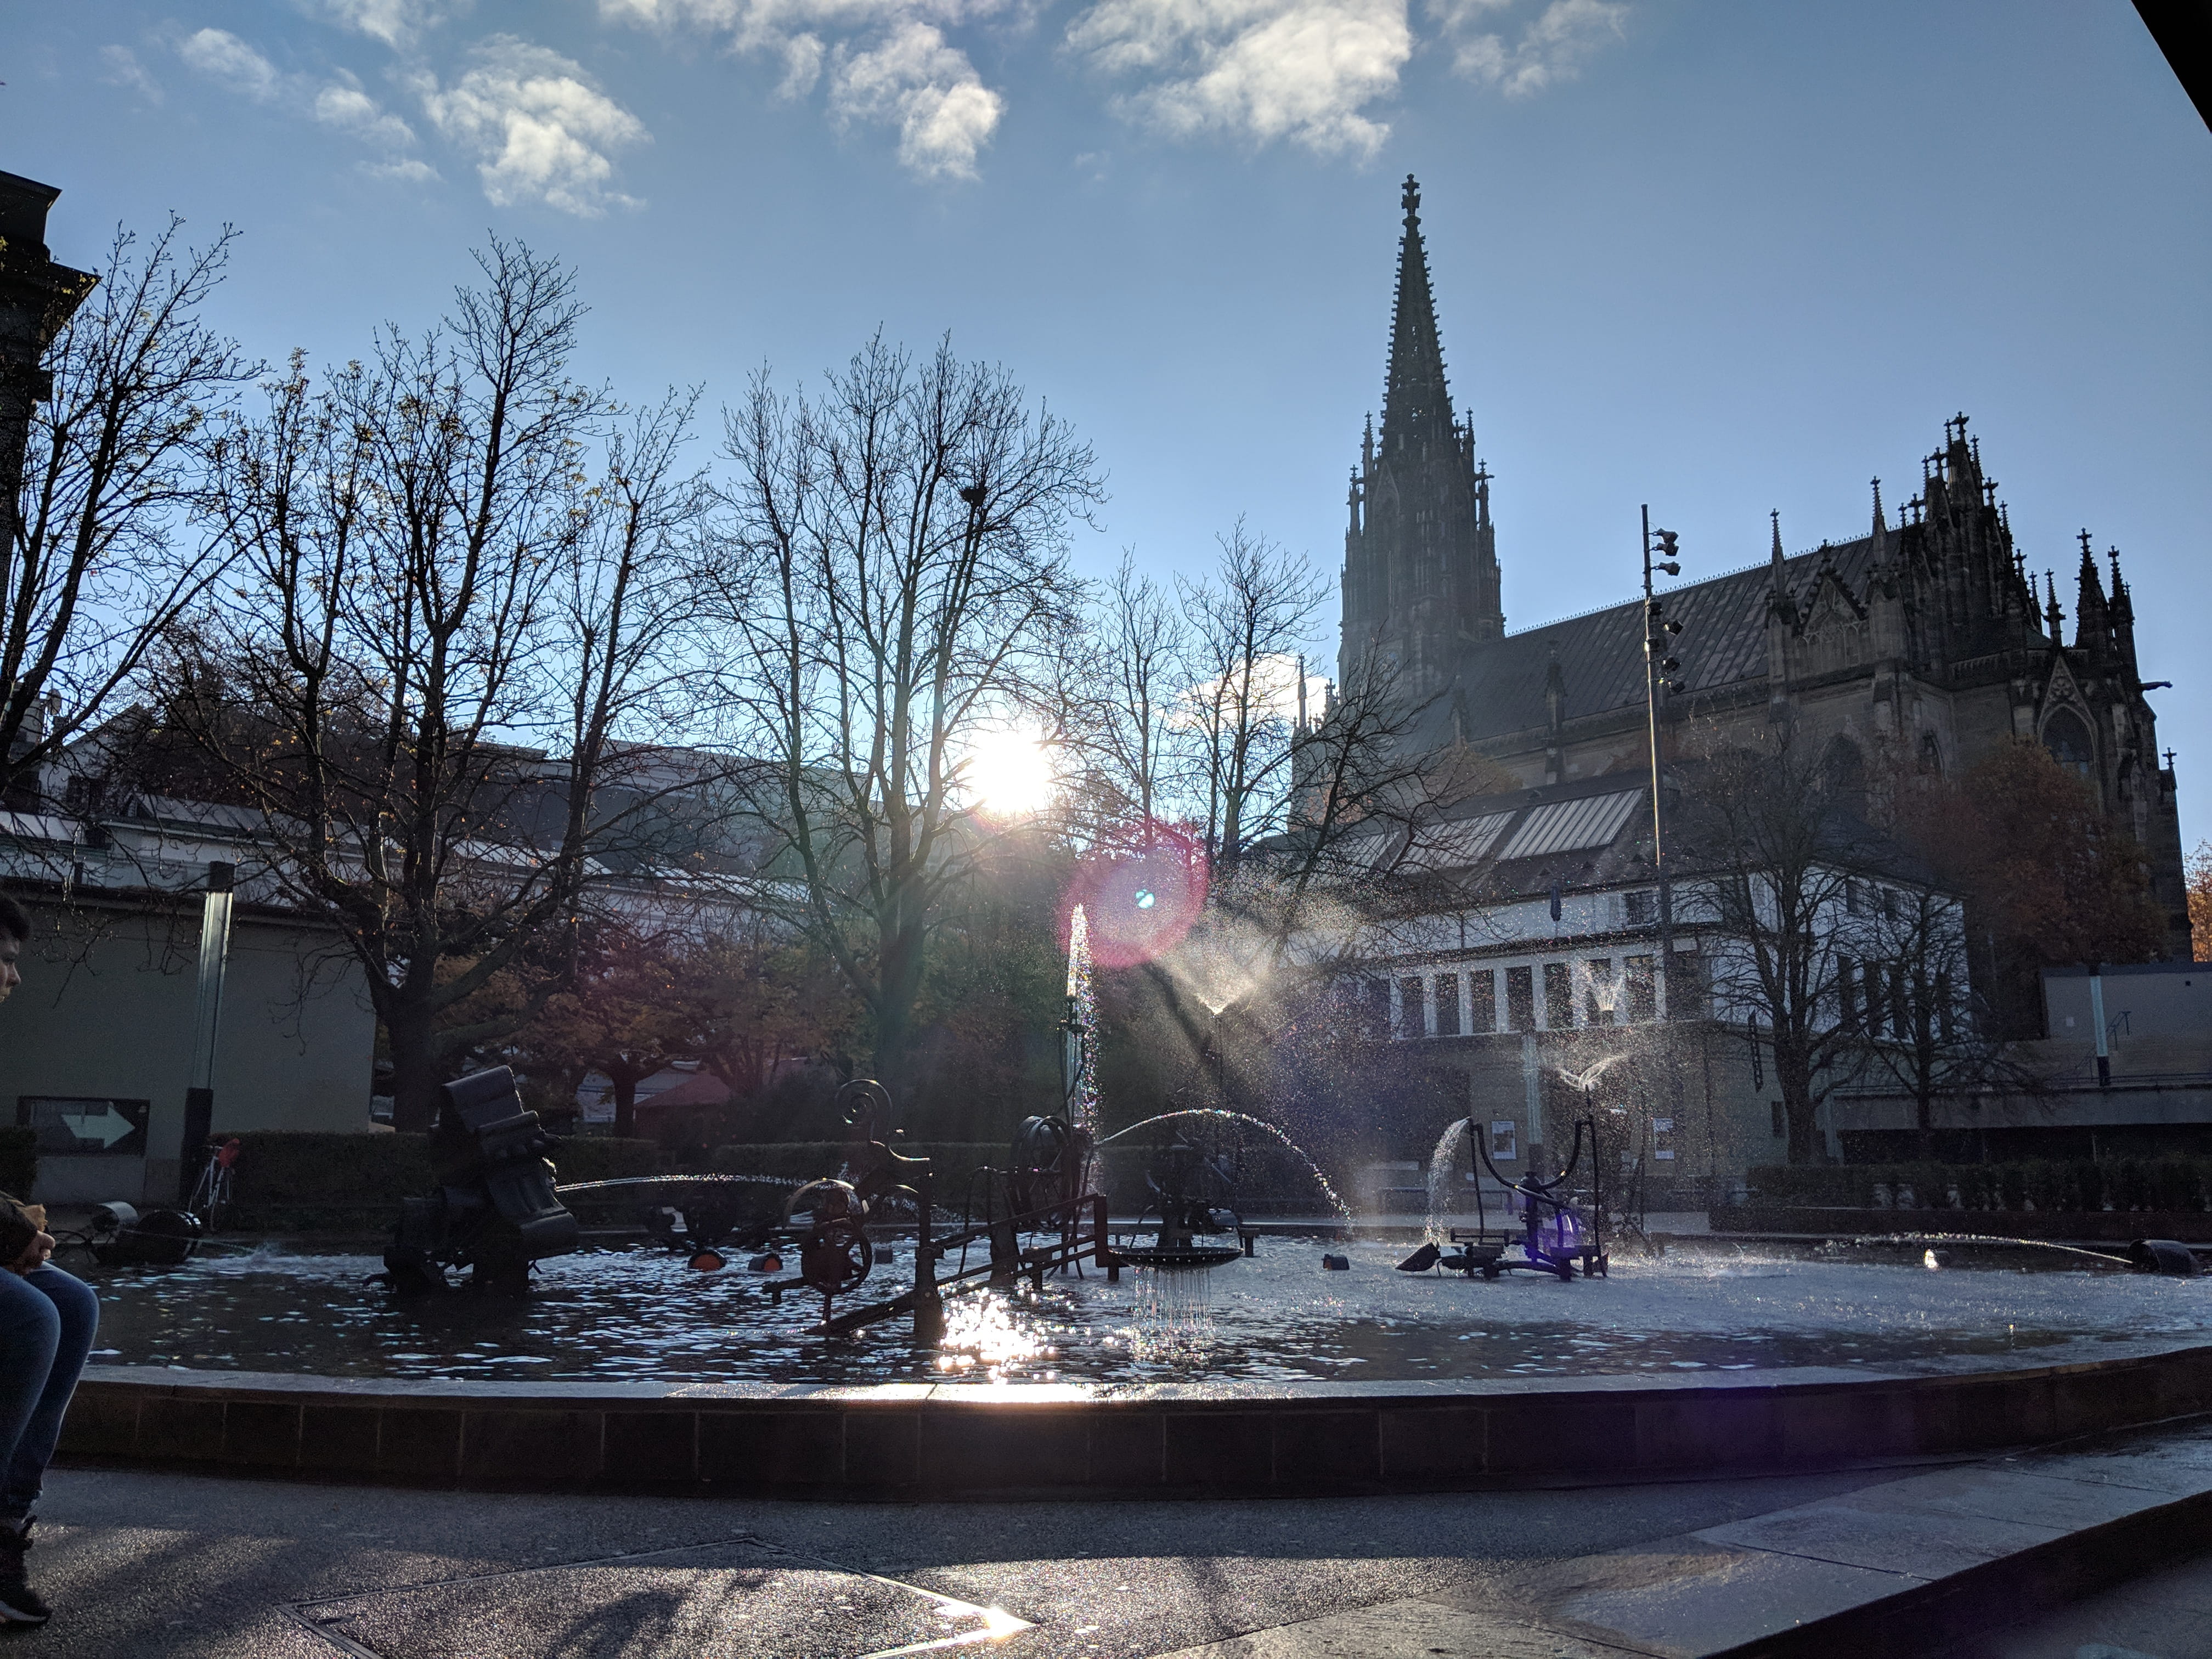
<point>46,1321</point>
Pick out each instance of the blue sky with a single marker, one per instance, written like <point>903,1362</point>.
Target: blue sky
<point>1723,256</point>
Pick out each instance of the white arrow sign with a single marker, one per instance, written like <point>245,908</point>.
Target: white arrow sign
<point>106,1126</point>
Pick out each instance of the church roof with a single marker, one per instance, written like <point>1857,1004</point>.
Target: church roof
<point>1601,653</point>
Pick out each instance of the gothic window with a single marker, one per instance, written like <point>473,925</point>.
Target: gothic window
<point>1844,771</point>
<point>2066,735</point>
<point>1931,754</point>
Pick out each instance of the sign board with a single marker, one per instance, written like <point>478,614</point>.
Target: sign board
<point>71,1127</point>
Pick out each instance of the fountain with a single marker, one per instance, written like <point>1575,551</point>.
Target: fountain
<point>621,1341</point>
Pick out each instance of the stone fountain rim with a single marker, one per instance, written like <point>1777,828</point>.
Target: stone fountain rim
<point>1244,1394</point>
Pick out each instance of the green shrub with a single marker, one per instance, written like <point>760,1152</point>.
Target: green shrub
<point>19,1161</point>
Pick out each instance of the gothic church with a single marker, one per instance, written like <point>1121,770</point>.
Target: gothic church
<point>1927,633</point>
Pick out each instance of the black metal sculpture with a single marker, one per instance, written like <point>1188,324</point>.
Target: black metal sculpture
<point>1556,1234</point>
<point>495,1210</point>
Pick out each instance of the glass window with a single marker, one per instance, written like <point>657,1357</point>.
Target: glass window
<point>1643,907</point>
<point>1600,997</point>
<point>1641,982</point>
<point>1447,1005</point>
<point>1558,996</point>
<point>1505,1140</point>
<point>1520,999</point>
<point>1482,1000</point>
<point>1687,992</point>
<point>1412,1022</point>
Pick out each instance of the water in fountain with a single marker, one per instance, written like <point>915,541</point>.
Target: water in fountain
<point>1343,1211</point>
<point>569,1188</point>
<point>1082,1075</point>
<point>1442,1163</point>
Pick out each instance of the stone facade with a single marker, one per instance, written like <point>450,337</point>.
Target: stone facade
<point>1926,639</point>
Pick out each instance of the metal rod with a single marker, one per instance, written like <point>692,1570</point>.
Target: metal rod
<point>1652,648</point>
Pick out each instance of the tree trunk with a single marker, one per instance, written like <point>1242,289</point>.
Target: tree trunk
<point>898,982</point>
<point>418,1070</point>
<point>1793,1075</point>
<point>625,1080</point>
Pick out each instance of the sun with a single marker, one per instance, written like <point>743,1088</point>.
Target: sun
<point>1011,772</point>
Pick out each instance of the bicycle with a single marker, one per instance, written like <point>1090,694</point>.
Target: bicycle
<point>211,1196</point>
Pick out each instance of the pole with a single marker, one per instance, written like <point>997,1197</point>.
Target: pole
<point>207,1015</point>
<point>2097,1019</point>
<point>1651,646</point>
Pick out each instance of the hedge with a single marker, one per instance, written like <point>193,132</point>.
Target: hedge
<point>19,1160</point>
<point>2131,1183</point>
<point>295,1179</point>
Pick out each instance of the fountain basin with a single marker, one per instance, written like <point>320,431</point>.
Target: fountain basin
<point>626,1372</point>
<point>908,1440</point>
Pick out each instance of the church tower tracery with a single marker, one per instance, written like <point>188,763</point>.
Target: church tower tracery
<point>1420,559</point>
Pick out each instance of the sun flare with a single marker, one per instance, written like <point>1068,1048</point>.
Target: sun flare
<point>1011,772</point>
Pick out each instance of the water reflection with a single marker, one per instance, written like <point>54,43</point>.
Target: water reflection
<point>640,1314</point>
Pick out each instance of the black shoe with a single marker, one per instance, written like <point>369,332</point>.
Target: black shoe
<point>19,1603</point>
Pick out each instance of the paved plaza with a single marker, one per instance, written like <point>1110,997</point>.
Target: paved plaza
<point>145,1565</point>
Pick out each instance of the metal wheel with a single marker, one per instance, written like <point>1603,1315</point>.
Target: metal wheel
<point>836,1256</point>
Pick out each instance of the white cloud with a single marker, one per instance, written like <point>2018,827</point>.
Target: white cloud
<point>1261,70</point>
<point>889,62</point>
<point>540,130</point>
<point>1551,48</point>
<point>120,67</point>
<point>397,23</point>
<point>944,111</point>
<point>412,170</point>
<point>354,112</point>
<point>222,56</point>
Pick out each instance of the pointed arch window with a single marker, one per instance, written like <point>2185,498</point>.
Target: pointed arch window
<point>2066,735</point>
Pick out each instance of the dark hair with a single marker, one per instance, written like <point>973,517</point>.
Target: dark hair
<point>15,920</point>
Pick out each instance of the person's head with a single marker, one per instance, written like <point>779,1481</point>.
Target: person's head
<point>14,934</point>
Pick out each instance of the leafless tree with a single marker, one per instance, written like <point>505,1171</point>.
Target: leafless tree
<point>1774,849</point>
<point>1248,622</point>
<point>1907,997</point>
<point>439,661</point>
<point>895,585</point>
<point>101,558</point>
<point>1128,687</point>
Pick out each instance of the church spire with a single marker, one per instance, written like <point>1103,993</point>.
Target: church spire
<point>1417,412</point>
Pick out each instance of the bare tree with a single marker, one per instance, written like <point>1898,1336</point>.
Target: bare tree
<point>1774,851</point>
<point>896,584</point>
<point>439,660</point>
<point>1248,622</point>
<point>1130,693</point>
<point>1907,996</point>
<point>100,558</point>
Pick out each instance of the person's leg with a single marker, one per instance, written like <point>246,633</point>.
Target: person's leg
<point>30,1336</point>
<point>75,1313</point>
<point>30,1339</point>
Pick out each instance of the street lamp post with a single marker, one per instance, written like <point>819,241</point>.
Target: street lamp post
<point>1659,663</point>
<point>207,1020</point>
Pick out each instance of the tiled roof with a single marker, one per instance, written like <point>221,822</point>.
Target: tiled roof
<point>1601,655</point>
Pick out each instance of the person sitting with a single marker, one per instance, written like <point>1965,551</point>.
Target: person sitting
<point>47,1318</point>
